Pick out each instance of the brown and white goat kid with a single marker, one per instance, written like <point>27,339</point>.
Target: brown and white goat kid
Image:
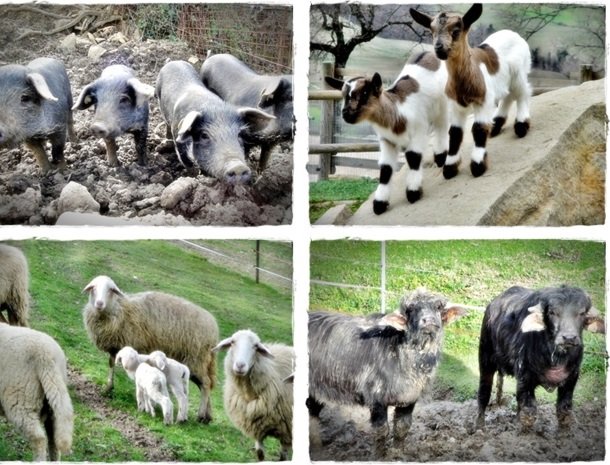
<point>479,79</point>
<point>402,116</point>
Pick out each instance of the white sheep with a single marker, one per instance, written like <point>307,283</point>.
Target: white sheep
<point>256,398</point>
<point>151,390</point>
<point>149,321</point>
<point>177,375</point>
<point>33,390</point>
<point>479,78</point>
<point>403,116</point>
<point>14,284</point>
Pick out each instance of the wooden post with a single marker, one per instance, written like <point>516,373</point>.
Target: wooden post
<point>586,73</point>
<point>258,260</point>
<point>327,123</point>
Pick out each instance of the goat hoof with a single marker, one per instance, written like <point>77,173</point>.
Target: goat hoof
<point>478,169</point>
<point>450,171</point>
<point>379,206</point>
<point>497,127</point>
<point>521,128</point>
<point>414,196</point>
<point>440,158</point>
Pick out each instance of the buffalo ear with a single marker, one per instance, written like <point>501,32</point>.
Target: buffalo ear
<point>534,321</point>
<point>334,82</point>
<point>594,322</point>
<point>451,314</point>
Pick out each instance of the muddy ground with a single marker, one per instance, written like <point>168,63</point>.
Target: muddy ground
<point>130,190</point>
<point>443,430</point>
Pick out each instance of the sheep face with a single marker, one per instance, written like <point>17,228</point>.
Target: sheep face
<point>244,346</point>
<point>449,30</point>
<point>101,291</point>
<point>158,359</point>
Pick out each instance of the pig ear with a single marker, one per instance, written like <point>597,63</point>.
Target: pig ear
<point>279,93</point>
<point>261,349</point>
<point>40,84</point>
<point>334,82</point>
<point>255,119</point>
<point>186,125</point>
<point>85,99</point>
<point>144,92</point>
<point>594,322</point>
<point>534,321</point>
<point>451,314</point>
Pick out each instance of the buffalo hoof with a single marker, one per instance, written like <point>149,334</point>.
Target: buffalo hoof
<point>450,171</point>
<point>521,128</point>
<point>414,196</point>
<point>380,206</point>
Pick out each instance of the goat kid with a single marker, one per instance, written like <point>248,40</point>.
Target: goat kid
<point>402,116</point>
<point>479,78</point>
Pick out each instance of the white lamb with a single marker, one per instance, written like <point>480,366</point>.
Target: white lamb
<point>151,390</point>
<point>256,398</point>
<point>177,375</point>
<point>130,359</point>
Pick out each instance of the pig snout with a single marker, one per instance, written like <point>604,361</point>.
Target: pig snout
<point>104,130</point>
<point>237,172</point>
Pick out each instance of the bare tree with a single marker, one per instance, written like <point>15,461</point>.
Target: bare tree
<point>529,19</point>
<point>337,29</point>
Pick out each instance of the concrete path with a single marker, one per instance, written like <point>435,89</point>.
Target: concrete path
<point>553,176</point>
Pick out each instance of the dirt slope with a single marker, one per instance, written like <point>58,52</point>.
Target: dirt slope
<point>554,176</point>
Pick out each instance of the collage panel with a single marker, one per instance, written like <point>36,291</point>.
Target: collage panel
<point>135,320</point>
<point>146,114</point>
<point>464,114</point>
<point>399,332</point>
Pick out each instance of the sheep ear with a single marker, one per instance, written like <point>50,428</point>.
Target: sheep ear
<point>451,314</point>
<point>334,82</point>
<point>594,322</point>
<point>261,349</point>
<point>472,15</point>
<point>160,363</point>
<point>224,344</point>
<point>421,18</point>
<point>116,290</point>
<point>117,359</point>
<point>89,287</point>
<point>534,322</point>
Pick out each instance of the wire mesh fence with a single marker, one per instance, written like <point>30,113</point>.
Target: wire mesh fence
<point>259,35</point>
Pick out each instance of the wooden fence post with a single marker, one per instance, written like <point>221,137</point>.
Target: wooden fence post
<point>327,124</point>
<point>258,261</point>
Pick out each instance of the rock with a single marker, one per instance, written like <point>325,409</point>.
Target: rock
<point>177,191</point>
<point>76,198</point>
<point>96,52</point>
<point>193,60</point>
<point>20,208</point>
<point>336,215</point>
<point>68,44</point>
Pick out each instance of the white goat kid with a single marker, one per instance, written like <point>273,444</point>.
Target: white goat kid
<point>403,116</point>
<point>479,78</point>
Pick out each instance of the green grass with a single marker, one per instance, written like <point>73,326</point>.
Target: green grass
<point>324,194</point>
<point>469,273</point>
<point>60,270</point>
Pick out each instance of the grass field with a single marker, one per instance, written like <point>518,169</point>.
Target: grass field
<point>470,273</point>
<point>323,194</point>
<point>60,270</point>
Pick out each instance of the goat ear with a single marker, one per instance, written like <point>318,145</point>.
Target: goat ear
<point>472,15</point>
<point>224,344</point>
<point>534,322</point>
<point>377,83</point>
<point>261,349</point>
<point>334,82</point>
<point>421,18</point>
<point>594,322</point>
<point>451,314</point>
